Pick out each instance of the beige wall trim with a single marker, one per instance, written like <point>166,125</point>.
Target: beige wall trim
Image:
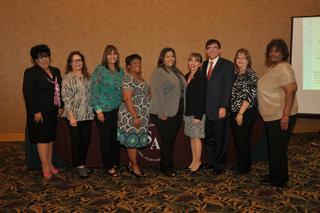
<point>14,137</point>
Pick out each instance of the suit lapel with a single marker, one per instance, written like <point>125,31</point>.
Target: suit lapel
<point>216,68</point>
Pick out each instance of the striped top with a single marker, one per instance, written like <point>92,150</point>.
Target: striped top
<point>75,94</point>
<point>244,89</point>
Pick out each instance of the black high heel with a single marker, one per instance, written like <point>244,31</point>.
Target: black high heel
<point>137,175</point>
<point>129,168</point>
<point>197,170</point>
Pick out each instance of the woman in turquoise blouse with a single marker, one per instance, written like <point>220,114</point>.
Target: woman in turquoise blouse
<point>106,97</point>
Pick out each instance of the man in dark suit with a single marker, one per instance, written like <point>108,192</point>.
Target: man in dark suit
<point>218,76</point>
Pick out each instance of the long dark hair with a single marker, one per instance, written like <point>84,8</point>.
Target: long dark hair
<point>107,51</point>
<point>84,70</point>
<point>161,59</point>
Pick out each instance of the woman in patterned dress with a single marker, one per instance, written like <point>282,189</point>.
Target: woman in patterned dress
<point>134,112</point>
<point>75,94</point>
<point>194,110</point>
<point>243,108</point>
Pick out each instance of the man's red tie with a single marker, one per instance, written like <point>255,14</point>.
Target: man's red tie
<point>210,70</point>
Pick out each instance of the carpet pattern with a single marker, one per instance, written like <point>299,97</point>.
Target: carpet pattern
<point>26,191</point>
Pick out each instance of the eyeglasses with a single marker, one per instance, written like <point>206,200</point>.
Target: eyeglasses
<point>76,61</point>
<point>212,48</point>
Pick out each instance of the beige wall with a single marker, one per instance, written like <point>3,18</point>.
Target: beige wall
<point>142,26</point>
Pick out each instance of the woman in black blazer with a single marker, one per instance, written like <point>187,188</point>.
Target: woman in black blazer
<point>194,112</point>
<point>41,89</point>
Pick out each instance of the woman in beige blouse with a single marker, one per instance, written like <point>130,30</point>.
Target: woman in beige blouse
<point>278,107</point>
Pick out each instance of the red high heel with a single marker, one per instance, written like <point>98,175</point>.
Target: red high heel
<point>54,171</point>
<point>46,175</point>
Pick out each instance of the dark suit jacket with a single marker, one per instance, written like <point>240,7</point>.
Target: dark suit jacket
<point>195,96</point>
<point>38,91</point>
<point>218,87</point>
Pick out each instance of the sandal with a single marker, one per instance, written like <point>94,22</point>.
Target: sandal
<point>46,175</point>
<point>54,171</point>
<point>113,174</point>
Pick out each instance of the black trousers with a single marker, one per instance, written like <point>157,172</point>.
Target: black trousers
<point>109,145</point>
<point>278,149</point>
<point>215,143</point>
<point>80,139</point>
<point>168,131</point>
<point>242,138</point>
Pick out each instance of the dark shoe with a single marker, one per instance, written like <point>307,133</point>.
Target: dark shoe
<point>88,170</point>
<point>240,172</point>
<point>217,172</point>
<point>82,172</point>
<point>169,173</point>
<point>137,175</point>
<point>187,168</point>
<point>196,171</point>
<point>266,179</point>
<point>129,168</point>
<point>278,184</point>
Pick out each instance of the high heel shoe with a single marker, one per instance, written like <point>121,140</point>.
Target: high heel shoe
<point>54,171</point>
<point>46,175</point>
<point>129,168</point>
<point>113,173</point>
<point>137,175</point>
<point>197,170</point>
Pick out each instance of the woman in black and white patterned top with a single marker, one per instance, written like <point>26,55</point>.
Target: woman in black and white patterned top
<point>243,108</point>
<point>75,94</point>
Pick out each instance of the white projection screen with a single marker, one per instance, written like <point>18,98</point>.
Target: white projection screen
<point>305,60</point>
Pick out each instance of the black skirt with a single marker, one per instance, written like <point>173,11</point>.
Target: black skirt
<point>44,132</point>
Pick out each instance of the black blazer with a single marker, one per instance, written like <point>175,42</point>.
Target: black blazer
<point>38,91</point>
<point>195,96</point>
<point>218,89</point>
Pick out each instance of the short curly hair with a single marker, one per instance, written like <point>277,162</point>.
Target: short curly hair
<point>39,50</point>
<point>281,46</point>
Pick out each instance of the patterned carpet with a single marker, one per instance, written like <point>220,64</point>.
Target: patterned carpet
<point>23,191</point>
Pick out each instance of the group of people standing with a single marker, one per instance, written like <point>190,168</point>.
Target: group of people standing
<point>120,102</point>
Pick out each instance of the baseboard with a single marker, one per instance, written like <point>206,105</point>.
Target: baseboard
<point>11,137</point>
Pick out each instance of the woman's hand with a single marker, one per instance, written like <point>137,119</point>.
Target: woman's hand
<point>137,122</point>
<point>222,112</point>
<point>73,121</point>
<point>38,117</point>
<point>284,122</point>
<point>149,93</point>
<point>164,118</point>
<point>100,116</point>
<point>60,112</point>
<point>196,121</point>
<point>239,119</point>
